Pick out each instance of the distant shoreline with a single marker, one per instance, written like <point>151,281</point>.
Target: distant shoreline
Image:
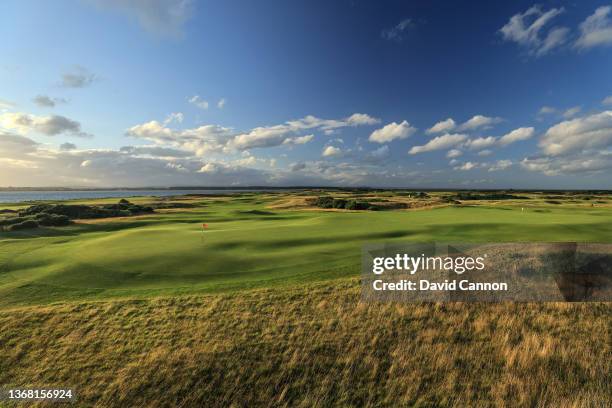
<point>289,188</point>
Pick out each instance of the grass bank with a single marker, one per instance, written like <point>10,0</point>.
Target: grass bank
<point>312,345</point>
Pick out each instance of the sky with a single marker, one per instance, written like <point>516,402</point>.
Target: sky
<point>423,94</point>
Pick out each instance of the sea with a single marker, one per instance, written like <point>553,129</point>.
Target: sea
<point>47,195</point>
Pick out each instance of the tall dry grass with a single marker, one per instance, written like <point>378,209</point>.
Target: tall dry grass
<point>316,345</point>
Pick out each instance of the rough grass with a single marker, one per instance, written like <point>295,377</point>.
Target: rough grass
<point>312,345</point>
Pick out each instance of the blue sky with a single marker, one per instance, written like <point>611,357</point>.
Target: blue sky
<point>179,92</point>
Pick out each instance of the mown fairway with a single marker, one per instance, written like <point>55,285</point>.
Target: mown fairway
<point>264,309</point>
<point>250,245</point>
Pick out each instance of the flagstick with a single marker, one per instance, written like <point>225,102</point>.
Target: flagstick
<point>204,226</point>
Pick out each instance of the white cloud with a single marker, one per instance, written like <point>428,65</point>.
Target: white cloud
<point>165,17</point>
<point>4,105</point>
<point>607,100</point>
<point>177,167</point>
<point>571,112</point>
<point>200,140</point>
<point>596,30</point>
<point>16,146</point>
<point>480,121</point>
<point>442,126</point>
<point>45,101</point>
<point>177,117</point>
<point>155,151</point>
<point>331,151</point>
<point>484,153</point>
<point>396,33</point>
<point>197,101</point>
<point>262,137</point>
<point>209,168</point>
<point>454,153</point>
<point>381,153</point>
<point>556,37</point>
<point>527,30</point>
<point>212,138</point>
<point>247,161</point>
<point>391,132</point>
<point>573,165</point>
<point>377,157</point>
<point>588,132</point>
<point>24,162</point>
<point>153,131</point>
<point>546,110</point>
<point>300,140</point>
<point>52,125</point>
<point>68,146</point>
<point>480,143</point>
<point>221,103</point>
<point>270,136</point>
<point>466,166</point>
<point>327,125</point>
<point>439,142</point>
<point>359,119</point>
<point>297,166</point>
<point>78,77</point>
<point>516,135</point>
<point>501,165</point>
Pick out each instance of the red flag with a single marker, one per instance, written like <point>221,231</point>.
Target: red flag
<point>204,225</point>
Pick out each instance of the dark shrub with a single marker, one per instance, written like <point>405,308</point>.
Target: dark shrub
<point>14,220</point>
<point>325,202</point>
<point>163,205</point>
<point>464,196</point>
<point>52,220</point>
<point>351,205</point>
<point>339,203</point>
<point>357,205</point>
<point>70,211</point>
<point>123,209</point>
<point>29,224</point>
<point>450,199</point>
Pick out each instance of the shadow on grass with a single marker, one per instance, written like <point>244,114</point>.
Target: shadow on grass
<point>113,225</point>
<point>256,212</point>
<point>318,240</point>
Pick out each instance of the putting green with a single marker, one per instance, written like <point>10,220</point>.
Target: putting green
<point>248,245</point>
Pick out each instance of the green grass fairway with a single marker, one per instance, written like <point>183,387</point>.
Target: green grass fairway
<point>248,244</point>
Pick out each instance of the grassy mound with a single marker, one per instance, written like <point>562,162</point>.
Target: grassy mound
<point>59,215</point>
<point>123,208</point>
<point>312,345</point>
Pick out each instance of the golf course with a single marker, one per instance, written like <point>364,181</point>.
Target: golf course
<point>249,243</point>
<point>254,297</point>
